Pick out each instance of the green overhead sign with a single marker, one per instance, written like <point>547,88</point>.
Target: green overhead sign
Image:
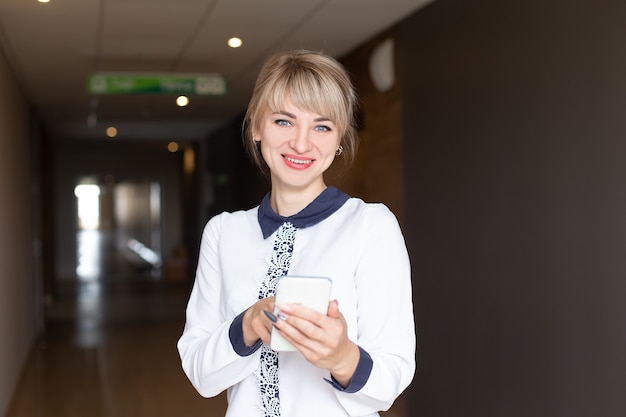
<point>204,84</point>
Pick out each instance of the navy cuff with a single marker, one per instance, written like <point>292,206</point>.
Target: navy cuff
<point>235,333</point>
<point>361,374</point>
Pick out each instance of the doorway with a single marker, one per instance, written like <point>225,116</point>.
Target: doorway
<point>118,228</point>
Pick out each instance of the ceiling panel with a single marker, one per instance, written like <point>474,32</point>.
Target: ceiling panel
<point>54,47</point>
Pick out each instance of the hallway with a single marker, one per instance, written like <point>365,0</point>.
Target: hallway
<point>109,348</point>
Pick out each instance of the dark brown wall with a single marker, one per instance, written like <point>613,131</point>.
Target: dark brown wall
<point>236,182</point>
<point>377,174</point>
<point>515,160</point>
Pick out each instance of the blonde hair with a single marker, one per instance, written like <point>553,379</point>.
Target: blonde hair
<point>314,82</point>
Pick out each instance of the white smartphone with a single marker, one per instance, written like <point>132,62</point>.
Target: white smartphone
<point>311,292</point>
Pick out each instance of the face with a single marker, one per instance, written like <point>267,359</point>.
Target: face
<point>298,146</point>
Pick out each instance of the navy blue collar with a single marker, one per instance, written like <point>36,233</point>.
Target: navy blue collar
<point>325,204</point>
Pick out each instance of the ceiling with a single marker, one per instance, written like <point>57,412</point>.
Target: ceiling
<point>54,47</point>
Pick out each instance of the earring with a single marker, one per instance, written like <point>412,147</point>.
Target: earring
<point>339,150</point>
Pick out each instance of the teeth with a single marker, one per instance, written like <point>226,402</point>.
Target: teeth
<point>298,161</point>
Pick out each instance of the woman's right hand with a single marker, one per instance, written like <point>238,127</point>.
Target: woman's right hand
<point>255,324</point>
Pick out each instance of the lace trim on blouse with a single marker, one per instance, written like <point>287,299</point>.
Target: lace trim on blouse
<point>267,372</point>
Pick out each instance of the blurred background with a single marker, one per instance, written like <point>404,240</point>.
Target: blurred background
<point>493,130</point>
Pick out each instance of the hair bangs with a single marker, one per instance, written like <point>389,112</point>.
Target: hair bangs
<point>307,92</point>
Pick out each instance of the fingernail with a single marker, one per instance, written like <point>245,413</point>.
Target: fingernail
<point>282,316</point>
<point>270,316</point>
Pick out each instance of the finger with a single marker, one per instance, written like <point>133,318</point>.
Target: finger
<point>267,303</point>
<point>305,344</point>
<point>313,351</point>
<point>333,309</point>
<point>300,311</point>
<point>264,335</point>
<point>270,316</point>
<point>303,333</point>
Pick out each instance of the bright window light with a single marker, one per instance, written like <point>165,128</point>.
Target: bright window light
<point>88,205</point>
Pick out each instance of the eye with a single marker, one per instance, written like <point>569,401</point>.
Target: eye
<point>282,122</point>
<point>323,128</point>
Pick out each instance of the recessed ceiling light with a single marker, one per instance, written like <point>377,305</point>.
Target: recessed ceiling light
<point>43,1</point>
<point>235,42</point>
<point>111,132</point>
<point>172,147</point>
<point>182,101</point>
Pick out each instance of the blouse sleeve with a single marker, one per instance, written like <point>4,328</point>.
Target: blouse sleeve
<point>207,353</point>
<point>385,322</point>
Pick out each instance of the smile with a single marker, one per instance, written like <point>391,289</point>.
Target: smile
<point>298,161</point>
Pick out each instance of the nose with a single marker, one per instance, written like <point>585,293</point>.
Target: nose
<point>301,143</point>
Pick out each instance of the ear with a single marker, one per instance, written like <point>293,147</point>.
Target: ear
<point>256,137</point>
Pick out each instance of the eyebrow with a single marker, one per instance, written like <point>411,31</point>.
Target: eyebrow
<point>293,116</point>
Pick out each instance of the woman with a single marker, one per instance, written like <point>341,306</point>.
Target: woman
<point>359,356</point>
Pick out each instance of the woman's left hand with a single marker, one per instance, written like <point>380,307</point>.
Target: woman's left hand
<point>322,339</point>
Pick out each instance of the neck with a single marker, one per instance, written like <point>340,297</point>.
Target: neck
<point>287,202</point>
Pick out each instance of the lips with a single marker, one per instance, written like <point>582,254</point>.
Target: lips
<point>297,163</point>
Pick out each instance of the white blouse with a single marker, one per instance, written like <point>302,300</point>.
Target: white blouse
<point>361,248</point>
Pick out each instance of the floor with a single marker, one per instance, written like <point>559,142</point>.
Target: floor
<point>109,348</point>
